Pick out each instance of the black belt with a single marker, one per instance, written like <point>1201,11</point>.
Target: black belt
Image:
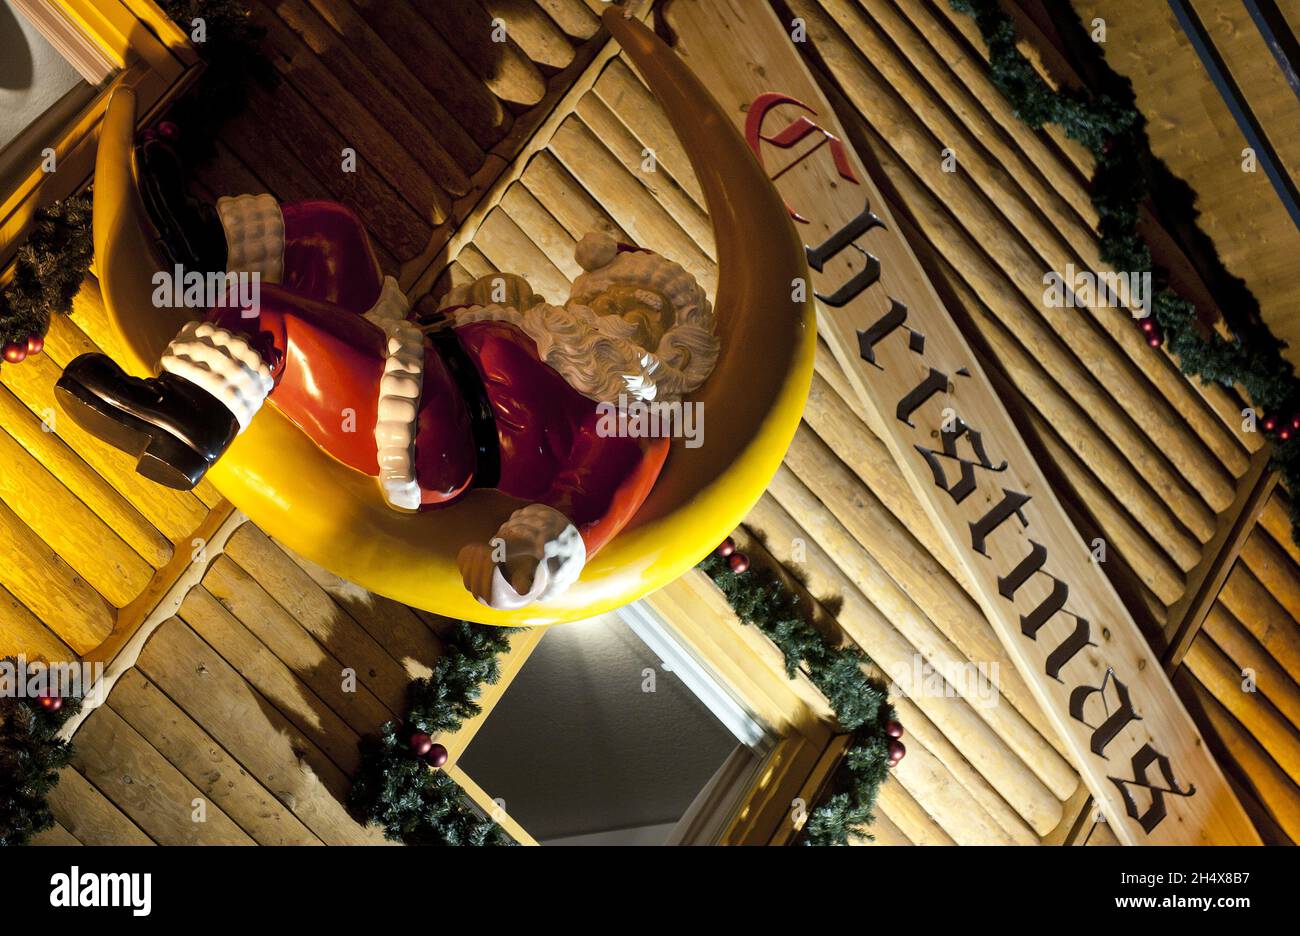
<point>483,425</point>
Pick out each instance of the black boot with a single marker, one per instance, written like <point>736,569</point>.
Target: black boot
<point>189,231</point>
<point>175,429</point>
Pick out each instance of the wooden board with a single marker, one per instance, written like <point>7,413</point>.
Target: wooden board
<point>1144,761</point>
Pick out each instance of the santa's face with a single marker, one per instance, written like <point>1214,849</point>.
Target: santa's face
<point>646,311</point>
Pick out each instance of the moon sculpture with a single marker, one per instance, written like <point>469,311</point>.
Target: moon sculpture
<point>336,516</point>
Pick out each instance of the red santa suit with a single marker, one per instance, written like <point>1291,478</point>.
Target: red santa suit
<point>330,345</point>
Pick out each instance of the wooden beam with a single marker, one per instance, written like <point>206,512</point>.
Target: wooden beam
<point>1205,582</point>
<point>1272,26</point>
<point>1235,98</point>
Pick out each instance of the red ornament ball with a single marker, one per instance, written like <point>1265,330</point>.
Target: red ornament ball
<point>739,562</point>
<point>1154,341</point>
<point>1147,326</point>
<point>436,756</point>
<point>35,344</point>
<point>168,130</point>
<point>51,703</point>
<point>896,751</point>
<point>419,743</point>
<point>726,547</point>
<point>15,352</point>
<point>894,729</point>
<point>1270,424</point>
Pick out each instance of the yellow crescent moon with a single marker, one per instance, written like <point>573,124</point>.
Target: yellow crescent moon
<point>336,517</point>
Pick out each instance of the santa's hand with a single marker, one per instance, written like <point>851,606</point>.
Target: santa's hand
<point>536,554</point>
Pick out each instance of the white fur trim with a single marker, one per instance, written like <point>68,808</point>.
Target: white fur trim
<point>254,227</point>
<point>399,398</point>
<point>223,364</point>
<point>457,296</point>
<point>546,535</point>
<point>391,306</point>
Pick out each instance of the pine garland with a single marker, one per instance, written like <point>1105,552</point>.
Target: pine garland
<point>31,756</point>
<point>48,270</point>
<point>861,704</point>
<point>231,51</point>
<point>394,788</point>
<point>1110,126</point>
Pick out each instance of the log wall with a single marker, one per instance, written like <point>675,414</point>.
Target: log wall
<point>475,160</point>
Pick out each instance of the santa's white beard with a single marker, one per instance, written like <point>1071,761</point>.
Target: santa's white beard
<point>594,356</point>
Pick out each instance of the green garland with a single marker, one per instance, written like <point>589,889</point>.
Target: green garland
<point>31,756</point>
<point>232,53</point>
<point>1110,126</point>
<point>48,271</point>
<point>394,788</point>
<point>52,263</point>
<point>861,704</point>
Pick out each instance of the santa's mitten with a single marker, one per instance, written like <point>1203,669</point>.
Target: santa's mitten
<point>537,554</point>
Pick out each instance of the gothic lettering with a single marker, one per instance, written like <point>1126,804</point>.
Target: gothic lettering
<point>1156,811</point>
<point>881,328</point>
<point>840,241</point>
<point>965,485</point>
<point>1104,733</point>
<point>1032,623</point>
<point>1010,504</point>
<point>796,131</point>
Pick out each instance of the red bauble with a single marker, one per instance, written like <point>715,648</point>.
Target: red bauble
<point>436,756</point>
<point>168,130</point>
<point>51,703</point>
<point>1147,326</point>
<point>739,562</point>
<point>15,352</point>
<point>1154,341</point>
<point>1269,424</point>
<point>896,751</point>
<point>35,344</point>
<point>894,729</point>
<point>419,743</point>
<point>726,547</point>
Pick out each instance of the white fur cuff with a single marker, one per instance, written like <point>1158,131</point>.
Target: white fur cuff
<point>223,364</point>
<point>399,398</point>
<point>254,227</point>
<point>391,306</point>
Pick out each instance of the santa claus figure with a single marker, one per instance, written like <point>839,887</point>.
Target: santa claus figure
<point>498,389</point>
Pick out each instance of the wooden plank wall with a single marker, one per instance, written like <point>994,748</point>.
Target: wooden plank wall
<point>1243,669</point>
<point>82,535</point>
<point>1193,131</point>
<point>239,707</point>
<point>1153,460</point>
<point>239,722</point>
<point>433,107</point>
